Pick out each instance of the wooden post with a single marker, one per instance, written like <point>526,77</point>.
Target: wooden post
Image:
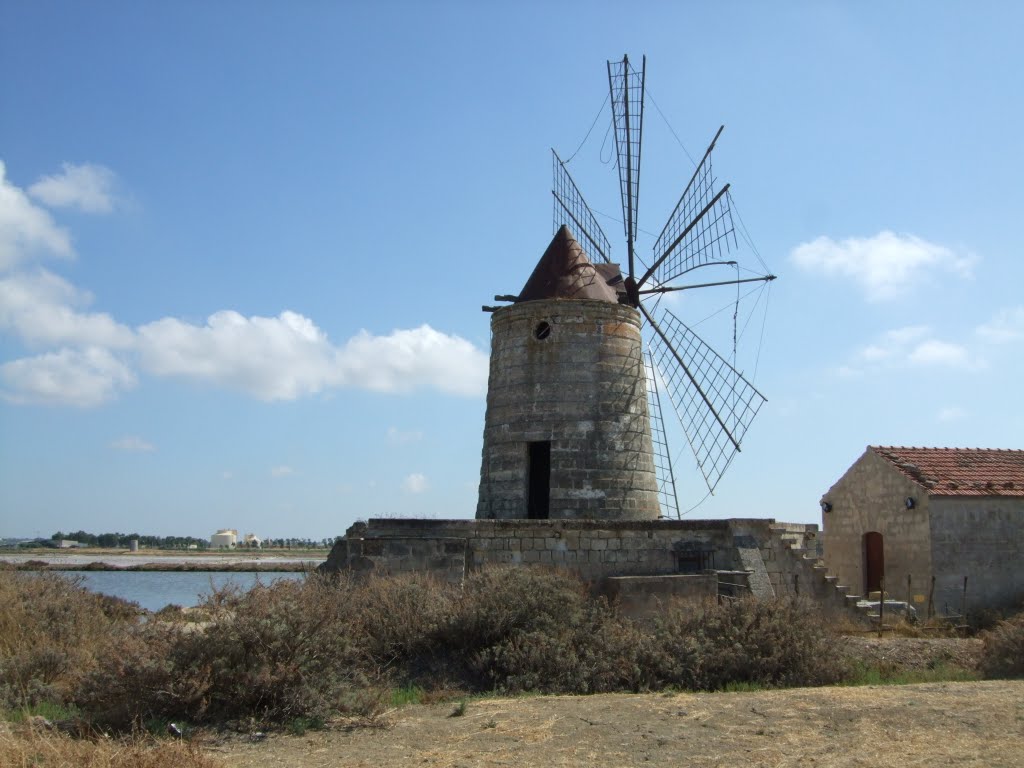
<point>881,606</point>
<point>931,599</point>
<point>963,604</point>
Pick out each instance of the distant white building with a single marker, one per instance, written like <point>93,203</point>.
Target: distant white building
<point>253,541</point>
<point>225,538</point>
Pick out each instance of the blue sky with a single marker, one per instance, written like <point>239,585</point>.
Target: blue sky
<point>243,246</point>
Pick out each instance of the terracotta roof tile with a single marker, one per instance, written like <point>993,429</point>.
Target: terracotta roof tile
<point>959,471</point>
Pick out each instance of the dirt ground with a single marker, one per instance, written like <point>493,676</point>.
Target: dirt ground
<point>932,724</point>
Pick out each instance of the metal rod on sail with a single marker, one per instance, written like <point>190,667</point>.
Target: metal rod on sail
<point>629,164</point>
<point>669,288</point>
<point>682,235</point>
<point>690,376</point>
<point>696,171</point>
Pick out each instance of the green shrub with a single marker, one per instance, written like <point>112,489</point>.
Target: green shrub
<point>1003,649</point>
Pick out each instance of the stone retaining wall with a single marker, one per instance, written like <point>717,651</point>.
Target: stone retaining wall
<point>595,549</point>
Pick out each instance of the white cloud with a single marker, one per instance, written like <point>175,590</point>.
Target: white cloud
<point>281,470</point>
<point>951,413</point>
<point>398,437</point>
<point>886,265</point>
<point>412,359</point>
<point>1007,326</point>
<point>285,357</point>
<point>227,475</point>
<point>25,228</point>
<point>81,377</point>
<point>87,187</point>
<point>913,346</point>
<point>935,352</point>
<point>133,444</point>
<point>270,358</point>
<point>40,308</point>
<point>893,343</point>
<point>415,483</point>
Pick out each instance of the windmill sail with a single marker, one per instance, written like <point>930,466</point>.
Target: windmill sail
<point>571,210</point>
<point>627,96</point>
<point>659,442</point>
<point>700,230</point>
<point>713,401</point>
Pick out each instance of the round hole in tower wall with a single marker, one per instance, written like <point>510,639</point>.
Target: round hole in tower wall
<point>542,331</point>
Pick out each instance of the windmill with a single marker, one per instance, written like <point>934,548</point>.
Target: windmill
<point>570,290</point>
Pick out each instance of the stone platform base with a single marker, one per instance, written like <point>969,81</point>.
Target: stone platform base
<point>752,555</point>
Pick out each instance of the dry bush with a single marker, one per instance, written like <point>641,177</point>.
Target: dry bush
<point>1003,649</point>
<point>315,649</point>
<point>28,747</point>
<point>52,631</point>
<point>519,629</point>
<point>394,620</point>
<point>780,642</point>
<point>272,654</point>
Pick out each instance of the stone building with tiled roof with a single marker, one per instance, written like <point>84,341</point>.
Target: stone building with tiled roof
<point>947,514</point>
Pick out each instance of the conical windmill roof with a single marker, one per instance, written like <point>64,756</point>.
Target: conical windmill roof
<point>565,272</point>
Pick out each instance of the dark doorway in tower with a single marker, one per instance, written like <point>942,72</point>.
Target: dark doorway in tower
<point>874,562</point>
<point>538,473</point>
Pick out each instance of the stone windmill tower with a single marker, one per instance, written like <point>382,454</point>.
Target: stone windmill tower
<point>567,433</point>
<point>573,426</point>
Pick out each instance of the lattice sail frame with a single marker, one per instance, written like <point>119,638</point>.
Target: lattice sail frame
<point>667,497</point>
<point>712,399</point>
<point>700,229</point>
<point>626,88</point>
<point>572,210</point>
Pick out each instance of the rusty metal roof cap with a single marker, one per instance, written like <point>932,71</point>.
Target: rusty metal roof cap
<point>565,272</point>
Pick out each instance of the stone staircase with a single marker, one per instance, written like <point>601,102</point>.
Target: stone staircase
<point>795,568</point>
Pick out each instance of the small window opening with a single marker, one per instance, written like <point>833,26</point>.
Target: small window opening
<point>695,560</point>
<point>542,331</point>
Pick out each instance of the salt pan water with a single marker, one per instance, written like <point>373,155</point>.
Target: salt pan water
<point>155,589</point>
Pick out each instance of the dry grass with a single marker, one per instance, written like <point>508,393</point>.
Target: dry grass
<point>1004,648</point>
<point>25,746</point>
<point>964,724</point>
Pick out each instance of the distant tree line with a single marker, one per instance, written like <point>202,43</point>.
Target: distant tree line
<point>120,540</point>
<point>325,543</point>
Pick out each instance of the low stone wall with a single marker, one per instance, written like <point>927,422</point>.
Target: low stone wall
<point>595,549</point>
<point>444,557</point>
<point>643,596</point>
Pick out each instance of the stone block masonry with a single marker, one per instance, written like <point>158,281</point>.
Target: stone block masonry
<point>579,388</point>
<point>594,549</point>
